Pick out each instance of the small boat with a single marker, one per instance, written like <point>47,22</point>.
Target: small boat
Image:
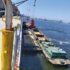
<point>53,54</point>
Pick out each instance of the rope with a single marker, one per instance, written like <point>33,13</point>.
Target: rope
<point>34,9</point>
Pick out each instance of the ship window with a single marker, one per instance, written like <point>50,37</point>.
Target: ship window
<point>47,40</point>
<point>36,30</point>
<point>1,14</point>
<point>51,45</point>
<point>40,35</point>
<point>58,56</point>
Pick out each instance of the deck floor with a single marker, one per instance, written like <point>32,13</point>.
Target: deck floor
<point>28,44</point>
<point>28,53</point>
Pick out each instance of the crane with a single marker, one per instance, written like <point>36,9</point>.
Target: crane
<point>9,12</point>
<point>19,3</point>
<point>7,36</point>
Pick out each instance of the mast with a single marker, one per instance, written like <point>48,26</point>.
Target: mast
<point>7,37</point>
<point>8,13</point>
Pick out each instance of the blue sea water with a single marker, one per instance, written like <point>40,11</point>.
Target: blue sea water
<point>56,31</point>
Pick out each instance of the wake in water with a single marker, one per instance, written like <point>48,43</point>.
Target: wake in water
<point>59,31</point>
<point>60,42</point>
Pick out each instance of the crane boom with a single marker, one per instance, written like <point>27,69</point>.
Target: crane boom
<point>19,3</point>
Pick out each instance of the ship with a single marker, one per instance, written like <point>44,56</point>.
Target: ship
<point>53,54</point>
<point>10,25</point>
<point>11,35</point>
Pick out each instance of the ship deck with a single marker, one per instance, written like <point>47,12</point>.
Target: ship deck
<point>29,51</point>
<point>28,44</point>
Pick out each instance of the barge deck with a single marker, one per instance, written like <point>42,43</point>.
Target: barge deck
<point>28,44</point>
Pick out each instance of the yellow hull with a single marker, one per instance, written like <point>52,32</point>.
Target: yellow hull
<point>7,46</point>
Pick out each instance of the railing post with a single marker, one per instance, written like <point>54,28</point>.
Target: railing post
<point>6,52</point>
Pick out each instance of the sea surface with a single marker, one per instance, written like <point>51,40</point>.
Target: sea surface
<point>59,33</point>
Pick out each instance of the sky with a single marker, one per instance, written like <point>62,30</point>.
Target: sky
<point>49,9</point>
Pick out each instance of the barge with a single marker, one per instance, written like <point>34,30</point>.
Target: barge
<point>53,54</point>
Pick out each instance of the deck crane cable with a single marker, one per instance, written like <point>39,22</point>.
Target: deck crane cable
<point>19,3</point>
<point>34,5</point>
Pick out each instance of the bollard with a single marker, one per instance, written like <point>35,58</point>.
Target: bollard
<point>7,45</point>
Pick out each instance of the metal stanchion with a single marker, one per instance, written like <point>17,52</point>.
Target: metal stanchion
<point>6,52</point>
